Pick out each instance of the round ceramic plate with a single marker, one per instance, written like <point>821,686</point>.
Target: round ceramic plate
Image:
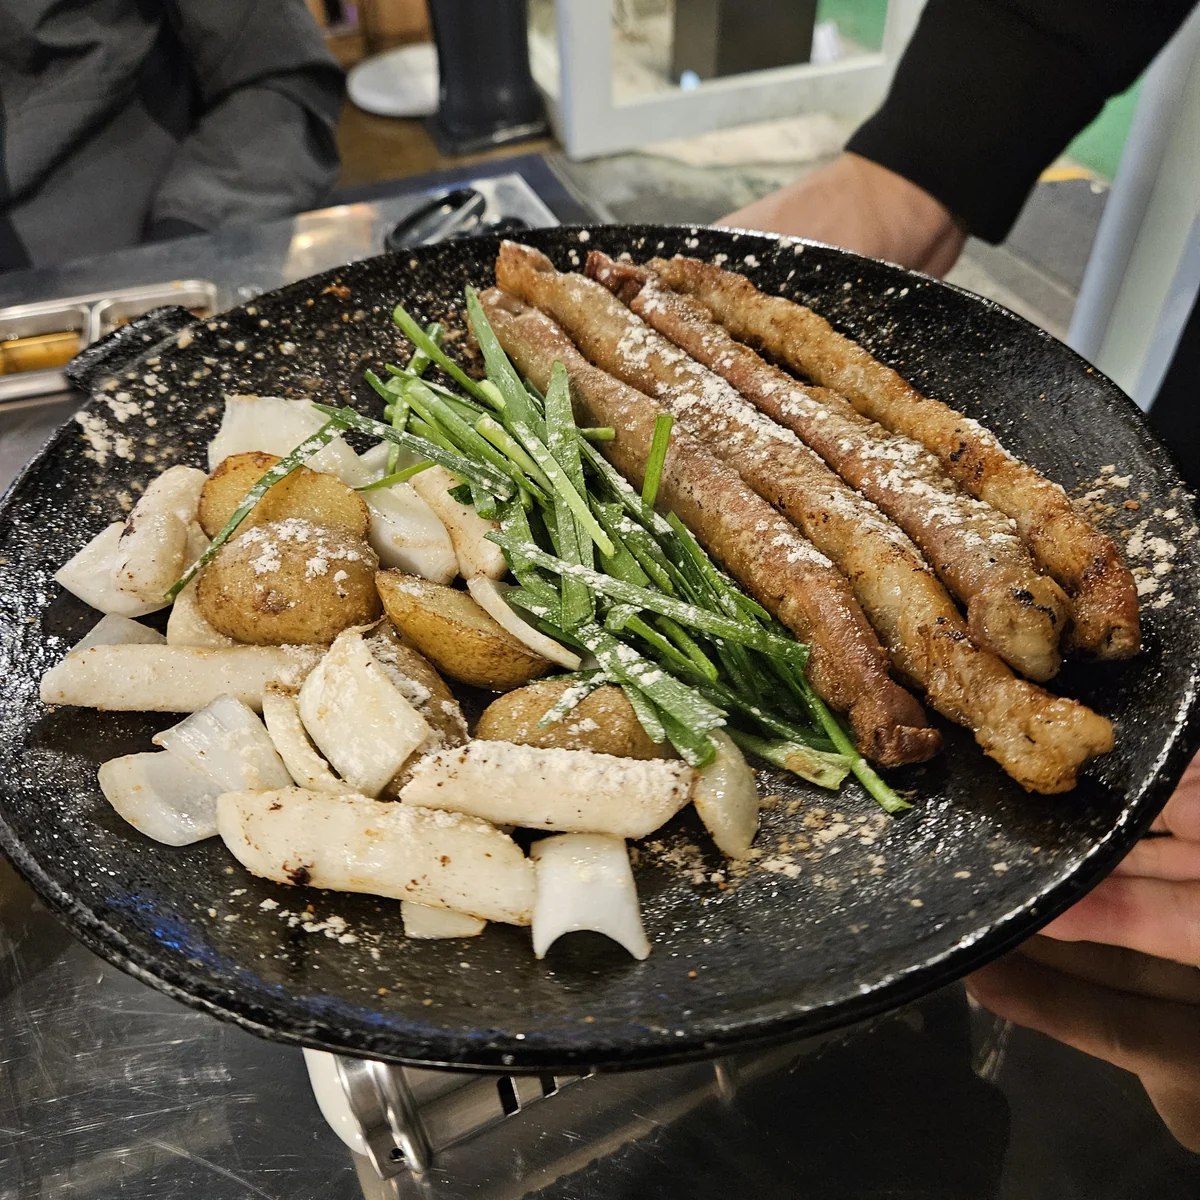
<point>844,913</point>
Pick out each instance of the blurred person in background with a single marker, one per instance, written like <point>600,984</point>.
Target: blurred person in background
<point>987,95</point>
<point>123,121</point>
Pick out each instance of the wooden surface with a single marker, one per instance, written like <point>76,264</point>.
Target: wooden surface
<point>376,148</point>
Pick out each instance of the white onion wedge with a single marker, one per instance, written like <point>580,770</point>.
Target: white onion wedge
<point>162,796</point>
<point>584,881</point>
<point>275,425</point>
<point>112,630</point>
<point>89,575</point>
<point>489,595</point>
<point>354,844</point>
<point>406,533</point>
<point>188,626</point>
<point>152,552</point>
<point>467,529</point>
<point>228,741</point>
<point>423,921</point>
<point>172,678</point>
<point>573,791</point>
<point>281,715</point>
<point>357,716</point>
<point>374,462</point>
<point>726,798</point>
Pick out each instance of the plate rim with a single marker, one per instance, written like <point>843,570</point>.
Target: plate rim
<point>503,1054</point>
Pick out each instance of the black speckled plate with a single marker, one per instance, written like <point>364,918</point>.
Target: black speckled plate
<point>844,915</point>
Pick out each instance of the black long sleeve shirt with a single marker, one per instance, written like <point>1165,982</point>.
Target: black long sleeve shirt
<point>126,119</point>
<point>989,93</point>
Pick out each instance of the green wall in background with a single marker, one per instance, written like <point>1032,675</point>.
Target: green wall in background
<point>1098,147</point>
<point>859,20</point>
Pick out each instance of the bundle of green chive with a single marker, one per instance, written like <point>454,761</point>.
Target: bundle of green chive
<point>597,567</point>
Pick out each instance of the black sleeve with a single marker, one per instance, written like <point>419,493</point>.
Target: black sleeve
<point>989,92</point>
<point>271,92</point>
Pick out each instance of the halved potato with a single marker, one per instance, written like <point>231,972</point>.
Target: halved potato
<point>455,634</point>
<point>603,721</point>
<point>309,495</point>
<point>289,583</point>
<point>419,683</point>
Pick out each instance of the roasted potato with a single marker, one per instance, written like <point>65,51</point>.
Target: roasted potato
<point>603,721</point>
<point>309,495</point>
<point>455,634</point>
<point>289,583</point>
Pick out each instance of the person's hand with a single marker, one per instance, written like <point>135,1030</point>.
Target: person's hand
<point>861,206</point>
<point>1140,1014</point>
<point>1151,902</point>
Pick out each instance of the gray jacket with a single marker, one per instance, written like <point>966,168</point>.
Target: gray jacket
<point>126,120</point>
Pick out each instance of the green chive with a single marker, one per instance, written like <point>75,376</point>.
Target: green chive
<point>817,766</point>
<point>563,486</point>
<point>500,371</point>
<point>647,715</point>
<point>465,468</point>
<point>657,458</point>
<point>713,624</point>
<point>418,337</point>
<point>579,691</point>
<point>624,492</point>
<point>507,444</point>
<point>396,476</point>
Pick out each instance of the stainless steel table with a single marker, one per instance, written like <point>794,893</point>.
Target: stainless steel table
<point>108,1089</point>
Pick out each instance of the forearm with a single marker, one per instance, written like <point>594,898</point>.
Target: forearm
<point>257,155</point>
<point>986,95</point>
<point>270,96</point>
<point>861,206</point>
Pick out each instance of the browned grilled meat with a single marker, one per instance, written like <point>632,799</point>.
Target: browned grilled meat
<point>1039,739</point>
<point>1012,610</point>
<point>1084,560</point>
<point>757,546</point>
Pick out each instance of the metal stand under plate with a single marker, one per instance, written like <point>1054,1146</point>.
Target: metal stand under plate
<point>448,1134</point>
<point>408,1115</point>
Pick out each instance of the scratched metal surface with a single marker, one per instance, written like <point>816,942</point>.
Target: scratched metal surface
<point>109,1089</point>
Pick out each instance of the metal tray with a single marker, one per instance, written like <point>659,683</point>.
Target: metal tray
<point>92,317</point>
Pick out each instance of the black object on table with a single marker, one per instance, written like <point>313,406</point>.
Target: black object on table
<point>486,94</point>
<point>726,37</point>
